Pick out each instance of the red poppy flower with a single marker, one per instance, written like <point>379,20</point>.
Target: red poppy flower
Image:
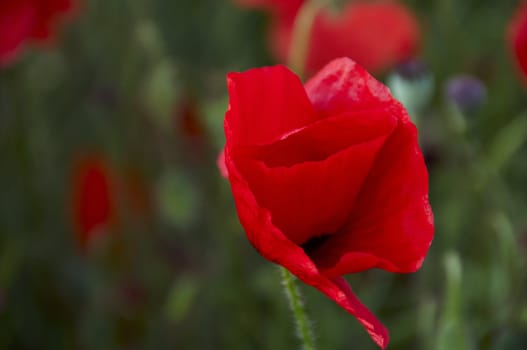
<point>22,20</point>
<point>189,120</point>
<point>282,8</point>
<point>517,38</point>
<point>359,31</point>
<point>92,198</point>
<point>328,178</point>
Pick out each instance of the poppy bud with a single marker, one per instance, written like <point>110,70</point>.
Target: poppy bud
<point>465,92</point>
<point>412,84</point>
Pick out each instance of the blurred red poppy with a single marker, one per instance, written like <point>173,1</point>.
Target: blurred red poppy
<point>377,34</point>
<point>281,8</point>
<point>517,38</point>
<point>328,178</point>
<point>93,202</point>
<point>23,20</point>
<point>102,197</point>
<point>189,119</point>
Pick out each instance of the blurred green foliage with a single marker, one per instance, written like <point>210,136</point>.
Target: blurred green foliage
<point>119,82</point>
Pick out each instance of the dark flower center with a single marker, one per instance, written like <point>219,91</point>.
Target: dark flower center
<point>313,243</point>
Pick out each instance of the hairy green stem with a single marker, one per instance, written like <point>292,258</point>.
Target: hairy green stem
<point>303,324</point>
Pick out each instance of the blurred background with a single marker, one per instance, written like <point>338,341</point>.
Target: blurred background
<point>118,232</point>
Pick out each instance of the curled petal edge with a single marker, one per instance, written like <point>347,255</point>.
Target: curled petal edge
<point>220,162</point>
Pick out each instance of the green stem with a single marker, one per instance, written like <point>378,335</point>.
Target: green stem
<point>301,33</point>
<point>303,325</point>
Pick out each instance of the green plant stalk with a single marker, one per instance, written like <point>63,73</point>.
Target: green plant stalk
<point>506,143</point>
<point>303,325</point>
<point>301,33</point>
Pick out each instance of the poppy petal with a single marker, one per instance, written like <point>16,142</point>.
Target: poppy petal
<point>277,7</point>
<point>309,180</point>
<point>359,32</point>
<point>517,38</point>
<point>92,200</point>
<point>220,162</point>
<point>16,22</point>
<point>275,246</point>
<point>392,225</point>
<point>265,104</point>
<point>343,85</point>
<point>49,13</point>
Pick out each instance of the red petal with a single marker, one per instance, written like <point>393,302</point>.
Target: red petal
<point>16,22</point>
<point>92,200</point>
<point>353,305</point>
<point>220,162</point>
<point>310,179</point>
<point>265,104</point>
<point>282,8</point>
<point>360,32</point>
<point>49,12</point>
<point>275,246</point>
<point>343,86</point>
<point>24,19</point>
<point>392,226</point>
<point>517,38</point>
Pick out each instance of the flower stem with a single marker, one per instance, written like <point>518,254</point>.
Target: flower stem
<point>303,324</point>
<point>301,34</point>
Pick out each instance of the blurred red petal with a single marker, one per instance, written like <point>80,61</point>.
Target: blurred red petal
<point>358,31</point>
<point>93,205</point>
<point>517,39</point>
<point>282,8</point>
<point>22,20</point>
<point>376,35</point>
<point>49,12</point>
<point>17,19</point>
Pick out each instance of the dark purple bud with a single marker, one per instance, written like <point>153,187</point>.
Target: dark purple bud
<point>466,92</point>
